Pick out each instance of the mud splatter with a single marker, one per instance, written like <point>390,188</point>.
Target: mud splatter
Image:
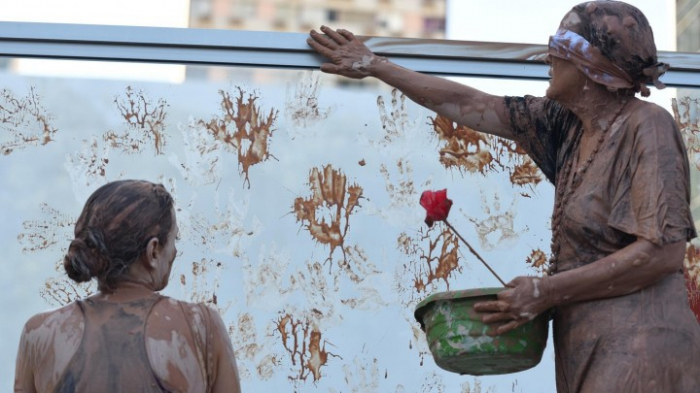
<point>526,173</point>
<point>60,291</point>
<point>243,128</point>
<point>370,299</point>
<point>145,123</point>
<point>225,231</point>
<point>401,192</point>
<point>244,340</point>
<point>202,156</point>
<point>326,213</point>
<point>317,286</point>
<point>470,151</point>
<point>357,264</point>
<point>394,120</point>
<point>87,167</point>
<point>251,356</point>
<point>686,112</point>
<point>362,163</point>
<point>475,387</point>
<point>432,383</point>
<point>464,148</point>
<point>23,121</point>
<point>691,271</point>
<point>265,277</point>
<point>537,260</point>
<point>305,345</point>
<point>498,226</point>
<point>303,109</point>
<point>204,284</point>
<point>362,375</point>
<point>440,262</point>
<point>427,268</point>
<point>45,233</point>
<point>419,342</point>
<point>53,233</point>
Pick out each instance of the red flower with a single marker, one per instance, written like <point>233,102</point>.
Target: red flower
<point>693,294</point>
<point>436,204</point>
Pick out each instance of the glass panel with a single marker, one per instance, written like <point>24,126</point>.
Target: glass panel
<point>318,287</point>
<point>297,199</point>
<point>685,106</point>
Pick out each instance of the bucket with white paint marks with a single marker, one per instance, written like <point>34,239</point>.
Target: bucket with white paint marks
<point>459,341</point>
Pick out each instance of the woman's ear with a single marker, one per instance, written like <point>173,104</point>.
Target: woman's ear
<point>152,253</point>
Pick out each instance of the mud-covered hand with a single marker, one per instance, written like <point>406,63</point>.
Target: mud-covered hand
<point>348,56</point>
<point>523,299</point>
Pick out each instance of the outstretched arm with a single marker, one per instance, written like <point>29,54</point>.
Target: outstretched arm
<point>467,106</point>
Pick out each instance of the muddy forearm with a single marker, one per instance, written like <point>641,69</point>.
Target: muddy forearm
<point>457,102</point>
<point>626,271</point>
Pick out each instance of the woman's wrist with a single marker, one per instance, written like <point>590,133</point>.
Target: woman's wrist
<point>547,292</point>
<point>377,66</point>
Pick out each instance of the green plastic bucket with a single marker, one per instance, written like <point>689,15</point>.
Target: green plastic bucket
<point>458,339</point>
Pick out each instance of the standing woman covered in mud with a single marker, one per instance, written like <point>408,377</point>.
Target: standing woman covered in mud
<point>621,218</point>
<point>127,337</point>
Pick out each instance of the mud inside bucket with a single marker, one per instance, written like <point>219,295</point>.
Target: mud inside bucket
<point>458,339</point>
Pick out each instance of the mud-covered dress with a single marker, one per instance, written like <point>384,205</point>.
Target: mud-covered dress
<point>637,187</point>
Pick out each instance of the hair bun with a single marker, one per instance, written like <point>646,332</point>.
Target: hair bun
<point>87,256</point>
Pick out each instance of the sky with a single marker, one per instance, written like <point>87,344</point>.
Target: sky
<point>156,13</point>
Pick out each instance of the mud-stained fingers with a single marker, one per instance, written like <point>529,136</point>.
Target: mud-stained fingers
<point>492,306</point>
<point>334,35</point>
<point>330,68</point>
<point>497,317</point>
<point>510,326</point>
<point>347,34</point>
<point>323,40</point>
<point>319,48</point>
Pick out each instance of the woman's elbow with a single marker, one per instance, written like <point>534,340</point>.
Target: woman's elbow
<point>667,259</point>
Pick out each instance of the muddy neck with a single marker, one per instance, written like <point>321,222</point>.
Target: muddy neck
<point>595,105</point>
<point>128,290</point>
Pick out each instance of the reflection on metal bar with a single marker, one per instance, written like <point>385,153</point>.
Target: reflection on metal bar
<point>289,50</point>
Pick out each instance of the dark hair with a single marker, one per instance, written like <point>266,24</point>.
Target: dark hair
<point>114,228</point>
<point>627,40</point>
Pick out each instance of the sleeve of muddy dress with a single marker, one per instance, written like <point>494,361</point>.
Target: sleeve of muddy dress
<point>24,369</point>
<point>536,125</point>
<point>651,199</point>
<point>226,379</point>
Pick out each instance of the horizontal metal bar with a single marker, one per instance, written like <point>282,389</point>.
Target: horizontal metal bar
<point>289,50</point>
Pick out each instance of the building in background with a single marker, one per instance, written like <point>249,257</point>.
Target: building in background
<point>688,25</point>
<point>389,18</point>
<point>394,18</point>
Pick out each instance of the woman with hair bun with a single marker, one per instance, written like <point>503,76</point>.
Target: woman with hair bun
<point>621,218</point>
<point>127,337</point>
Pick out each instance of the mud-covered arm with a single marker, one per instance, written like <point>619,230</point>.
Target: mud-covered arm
<point>227,379</point>
<point>628,270</point>
<point>24,369</point>
<point>625,271</point>
<point>467,106</point>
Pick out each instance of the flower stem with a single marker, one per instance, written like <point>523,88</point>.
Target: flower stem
<point>474,252</point>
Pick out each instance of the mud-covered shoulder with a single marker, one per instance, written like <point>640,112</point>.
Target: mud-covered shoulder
<point>645,115</point>
<point>54,318</point>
